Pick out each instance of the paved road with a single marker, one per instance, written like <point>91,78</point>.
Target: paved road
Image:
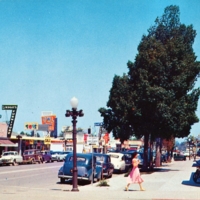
<point>173,181</point>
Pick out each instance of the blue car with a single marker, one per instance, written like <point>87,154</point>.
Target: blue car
<point>104,160</point>
<point>87,168</point>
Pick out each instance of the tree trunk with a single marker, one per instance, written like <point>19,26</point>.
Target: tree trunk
<point>146,144</point>
<point>158,156</point>
<point>151,156</point>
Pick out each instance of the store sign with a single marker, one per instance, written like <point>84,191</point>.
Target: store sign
<point>47,140</point>
<point>49,120</point>
<point>31,142</point>
<point>12,117</point>
<point>9,107</point>
<point>31,126</point>
<point>91,140</point>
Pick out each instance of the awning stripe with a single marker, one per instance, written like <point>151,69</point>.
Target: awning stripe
<point>8,143</point>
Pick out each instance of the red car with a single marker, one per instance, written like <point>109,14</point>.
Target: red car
<point>32,156</point>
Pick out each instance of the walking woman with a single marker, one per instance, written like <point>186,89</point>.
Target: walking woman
<point>134,176</point>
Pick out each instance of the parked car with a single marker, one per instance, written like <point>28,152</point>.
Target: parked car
<point>111,150</point>
<point>11,157</point>
<point>104,161</point>
<point>198,153</point>
<point>130,157</point>
<point>58,156</point>
<point>87,168</point>
<point>46,155</point>
<point>164,157</point>
<point>65,153</point>
<point>179,157</point>
<point>118,160</point>
<point>32,156</point>
<point>0,161</point>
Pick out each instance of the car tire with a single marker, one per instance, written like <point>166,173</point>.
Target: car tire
<point>14,163</point>
<point>195,177</point>
<point>62,180</point>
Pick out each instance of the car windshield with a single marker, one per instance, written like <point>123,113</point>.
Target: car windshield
<point>28,153</point>
<point>100,158</point>
<point>53,153</point>
<point>127,155</point>
<point>8,153</point>
<point>114,156</point>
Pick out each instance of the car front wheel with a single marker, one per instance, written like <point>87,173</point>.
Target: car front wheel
<point>62,180</point>
<point>14,163</point>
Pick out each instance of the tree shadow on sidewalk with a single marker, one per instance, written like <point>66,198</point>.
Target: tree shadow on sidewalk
<point>190,182</point>
<point>150,171</point>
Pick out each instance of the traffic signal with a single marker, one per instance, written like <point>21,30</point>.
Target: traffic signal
<point>89,130</point>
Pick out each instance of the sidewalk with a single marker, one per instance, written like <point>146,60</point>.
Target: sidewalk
<point>173,181</point>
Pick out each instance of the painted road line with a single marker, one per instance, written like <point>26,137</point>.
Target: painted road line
<point>26,170</point>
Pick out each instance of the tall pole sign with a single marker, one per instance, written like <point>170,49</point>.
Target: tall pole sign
<point>12,117</point>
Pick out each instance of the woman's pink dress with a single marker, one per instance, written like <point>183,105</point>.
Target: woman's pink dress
<point>134,176</point>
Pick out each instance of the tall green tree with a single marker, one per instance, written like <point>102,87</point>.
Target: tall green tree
<point>117,117</point>
<point>160,87</point>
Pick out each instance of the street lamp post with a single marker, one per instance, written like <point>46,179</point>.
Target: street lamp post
<point>74,114</point>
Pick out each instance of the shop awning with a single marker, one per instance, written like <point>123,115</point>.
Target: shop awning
<point>7,143</point>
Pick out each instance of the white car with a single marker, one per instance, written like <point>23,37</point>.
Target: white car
<point>117,159</point>
<point>58,155</point>
<point>11,157</point>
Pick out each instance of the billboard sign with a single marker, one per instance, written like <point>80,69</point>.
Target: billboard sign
<point>12,117</point>
<point>50,120</point>
<point>9,107</point>
<point>31,126</point>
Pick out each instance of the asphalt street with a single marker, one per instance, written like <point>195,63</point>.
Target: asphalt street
<point>170,181</point>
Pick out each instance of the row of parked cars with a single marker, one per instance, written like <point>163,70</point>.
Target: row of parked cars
<point>96,166</point>
<point>32,156</point>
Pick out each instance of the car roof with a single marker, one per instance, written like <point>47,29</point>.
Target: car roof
<point>32,149</point>
<point>80,154</point>
<point>101,154</point>
<point>115,153</point>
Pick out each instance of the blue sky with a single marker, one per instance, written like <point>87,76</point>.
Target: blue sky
<point>53,50</point>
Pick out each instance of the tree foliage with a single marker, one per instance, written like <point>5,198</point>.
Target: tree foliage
<point>157,97</point>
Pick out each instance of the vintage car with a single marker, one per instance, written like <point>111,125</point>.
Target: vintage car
<point>11,157</point>
<point>179,156</point>
<point>118,160</point>
<point>86,165</point>
<point>32,156</point>
<point>46,155</point>
<point>58,155</point>
<point>104,161</point>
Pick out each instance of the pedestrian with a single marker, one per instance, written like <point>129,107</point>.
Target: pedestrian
<point>134,176</point>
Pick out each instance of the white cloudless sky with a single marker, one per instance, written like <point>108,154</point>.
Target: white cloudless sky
<point>53,50</point>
